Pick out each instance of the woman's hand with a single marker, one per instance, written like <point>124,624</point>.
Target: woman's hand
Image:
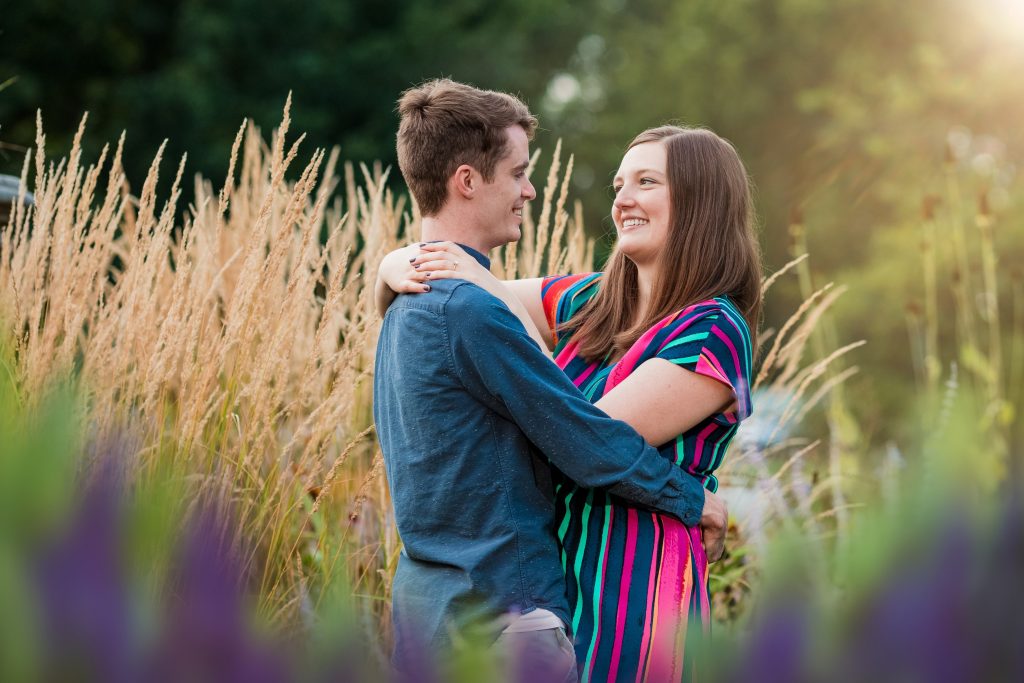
<point>443,260</point>
<point>439,260</point>
<point>714,523</point>
<point>397,273</point>
<point>410,270</point>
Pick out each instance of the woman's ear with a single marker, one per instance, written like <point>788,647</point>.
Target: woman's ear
<point>465,181</point>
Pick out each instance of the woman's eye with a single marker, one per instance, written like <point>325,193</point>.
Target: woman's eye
<point>646,181</point>
<point>616,188</point>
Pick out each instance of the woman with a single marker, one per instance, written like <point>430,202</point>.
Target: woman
<point>662,340</point>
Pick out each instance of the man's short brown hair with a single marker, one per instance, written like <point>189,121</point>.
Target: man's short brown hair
<point>446,124</point>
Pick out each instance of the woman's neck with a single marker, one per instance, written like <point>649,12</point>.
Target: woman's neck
<point>645,283</point>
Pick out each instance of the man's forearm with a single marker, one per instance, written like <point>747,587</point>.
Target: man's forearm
<point>587,445</point>
<point>679,494</point>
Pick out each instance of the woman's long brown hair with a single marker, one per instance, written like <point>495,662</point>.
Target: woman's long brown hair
<point>711,248</point>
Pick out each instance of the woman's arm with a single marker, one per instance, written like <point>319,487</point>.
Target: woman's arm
<point>661,400</point>
<point>527,291</point>
<point>395,276</point>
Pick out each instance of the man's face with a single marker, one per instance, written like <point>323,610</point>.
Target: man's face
<point>500,207</point>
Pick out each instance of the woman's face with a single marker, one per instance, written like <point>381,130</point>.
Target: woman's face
<point>642,205</point>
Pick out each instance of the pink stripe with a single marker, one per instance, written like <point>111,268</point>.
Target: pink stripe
<point>628,363</point>
<point>637,351</point>
<point>584,375</point>
<point>600,583</point>
<point>652,584</point>
<point>704,367</point>
<point>674,590</point>
<point>728,342</point>
<point>706,353</point>
<point>623,597</point>
<point>566,355</point>
<point>742,389</point>
<point>698,451</point>
<point>686,323</point>
<point>700,559</point>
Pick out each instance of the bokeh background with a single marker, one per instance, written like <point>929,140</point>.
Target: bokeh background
<point>885,142</point>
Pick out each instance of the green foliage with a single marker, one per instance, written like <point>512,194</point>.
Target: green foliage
<point>191,71</point>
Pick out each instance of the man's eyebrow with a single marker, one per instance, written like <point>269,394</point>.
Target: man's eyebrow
<point>522,167</point>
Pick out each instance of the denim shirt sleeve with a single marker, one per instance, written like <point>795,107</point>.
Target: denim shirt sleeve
<point>501,366</point>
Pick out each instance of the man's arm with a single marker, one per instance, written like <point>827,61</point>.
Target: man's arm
<point>501,365</point>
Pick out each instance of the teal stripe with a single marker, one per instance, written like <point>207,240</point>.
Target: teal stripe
<point>577,295</point>
<point>697,336</point>
<point>578,565</point>
<point>724,442</point>
<point>570,301</point>
<point>717,446</point>
<point>596,383</point>
<point>684,361</point>
<point>564,527</point>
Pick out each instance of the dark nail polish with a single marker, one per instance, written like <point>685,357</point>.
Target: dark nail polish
<point>412,259</point>
<point>426,288</point>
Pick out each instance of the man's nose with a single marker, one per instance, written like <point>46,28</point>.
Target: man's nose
<point>529,191</point>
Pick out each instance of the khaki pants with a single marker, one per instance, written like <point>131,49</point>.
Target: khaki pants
<point>545,656</point>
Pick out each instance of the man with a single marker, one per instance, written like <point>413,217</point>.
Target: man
<point>463,398</point>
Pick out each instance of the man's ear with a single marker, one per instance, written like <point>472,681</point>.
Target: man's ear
<point>465,181</point>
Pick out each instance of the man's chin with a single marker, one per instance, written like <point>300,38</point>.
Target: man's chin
<point>513,235</point>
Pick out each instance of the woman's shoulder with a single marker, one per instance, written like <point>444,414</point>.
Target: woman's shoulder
<point>576,283</point>
<point>564,295</point>
<point>718,308</point>
<point>711,338</point>
<point>716,320</point>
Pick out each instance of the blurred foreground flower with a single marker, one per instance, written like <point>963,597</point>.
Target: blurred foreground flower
<point>931,596</point>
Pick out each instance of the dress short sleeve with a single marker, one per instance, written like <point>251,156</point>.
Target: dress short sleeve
<point>712,339</point>
<point>564,295</point>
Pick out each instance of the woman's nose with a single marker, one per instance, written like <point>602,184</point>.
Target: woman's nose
<point>623,199</point>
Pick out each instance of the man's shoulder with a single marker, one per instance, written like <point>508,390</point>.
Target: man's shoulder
<point>445,297</point>
<point>468,299</point>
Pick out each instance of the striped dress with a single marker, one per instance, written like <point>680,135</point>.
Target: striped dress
<point>637,580</point>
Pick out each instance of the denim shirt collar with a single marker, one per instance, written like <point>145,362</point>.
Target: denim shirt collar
<point>484,261</point>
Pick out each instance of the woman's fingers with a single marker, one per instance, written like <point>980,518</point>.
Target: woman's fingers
<point>413,287</point>
<point>439,260</point>
<point>427,257</point>
<point>451,247</point>
<point>436,265</point>
<point>444,275</point>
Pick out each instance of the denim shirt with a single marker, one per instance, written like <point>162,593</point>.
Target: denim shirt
<point>471,414</point>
